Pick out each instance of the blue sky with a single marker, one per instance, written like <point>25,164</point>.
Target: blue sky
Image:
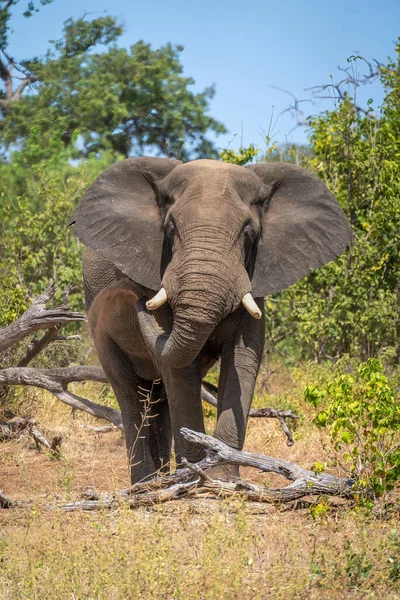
<point>243,47</point>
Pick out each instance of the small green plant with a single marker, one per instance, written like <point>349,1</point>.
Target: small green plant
<point>358,566</point>
<point>65,479</point>
<point>318,467</point>
<point>362,414</point>
<point>241,157</point>
<point>320,510</point>
<point>394,558</point>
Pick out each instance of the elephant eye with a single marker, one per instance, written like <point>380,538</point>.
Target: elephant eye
<point>249,232</point>
<point>170,228</point>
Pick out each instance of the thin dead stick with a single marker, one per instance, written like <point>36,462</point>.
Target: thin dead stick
<point>39,437</point>
<point>179,476</point>
<point>269,413</point>
<point>38,345</point>
<point>99,429</point>
<point>142,498</point>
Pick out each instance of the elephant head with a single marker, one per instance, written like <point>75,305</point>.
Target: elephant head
<point>208,236</point>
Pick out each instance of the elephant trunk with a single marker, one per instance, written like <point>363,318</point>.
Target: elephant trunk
<point>185,342</point>
<point>206,295</point>
<point>181,347</point>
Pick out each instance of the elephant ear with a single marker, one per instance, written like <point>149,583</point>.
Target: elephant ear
<point>303,227</point>
<point>119,217</point>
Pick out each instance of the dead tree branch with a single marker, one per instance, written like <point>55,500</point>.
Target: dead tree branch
<point>56,380</point>
<point>38,317</point>
<point>269,413</point>
<point>193,481</point>
<point>347,86</point>
<point>37,346</point>
<point>305,482</point>
<point>19,425</point>
<point>7,67</point>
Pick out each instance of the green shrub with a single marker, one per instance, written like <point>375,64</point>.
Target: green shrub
<point>362,415</point>
<point>351,304</point>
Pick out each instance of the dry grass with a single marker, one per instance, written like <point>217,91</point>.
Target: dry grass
<point>192,549</point>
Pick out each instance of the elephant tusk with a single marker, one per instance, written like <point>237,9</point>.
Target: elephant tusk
<point>158,300</point>
<point>250,305</point>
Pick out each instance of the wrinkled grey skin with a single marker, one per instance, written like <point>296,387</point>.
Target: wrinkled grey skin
<point>209,233</point>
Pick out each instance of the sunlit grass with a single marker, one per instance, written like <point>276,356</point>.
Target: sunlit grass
<point>191,549</point>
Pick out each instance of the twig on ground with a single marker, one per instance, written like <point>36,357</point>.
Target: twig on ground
<point>269,413</point>
<point>100,429</point>
<point>18,425</point>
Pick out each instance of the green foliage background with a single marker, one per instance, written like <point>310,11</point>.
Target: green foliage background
<point>93,103</point>
<point>352,304</point>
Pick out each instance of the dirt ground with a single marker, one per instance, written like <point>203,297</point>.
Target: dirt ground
<point>219,548</point>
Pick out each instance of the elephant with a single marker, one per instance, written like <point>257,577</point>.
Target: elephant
<point>178,260</point>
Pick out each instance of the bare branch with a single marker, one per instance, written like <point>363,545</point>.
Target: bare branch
<point>38,345</point>
<point>306,482</point>
<point>299,114</point>
<point>25,83</point>
<point>37,317</point>
<point>269,413</point>
<point>56,380</point>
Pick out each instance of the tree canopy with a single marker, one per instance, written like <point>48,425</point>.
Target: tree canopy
<point>95,96</point>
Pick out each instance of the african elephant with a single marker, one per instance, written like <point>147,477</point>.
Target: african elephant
<point>179,258</point>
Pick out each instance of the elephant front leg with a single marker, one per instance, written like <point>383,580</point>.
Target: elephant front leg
<point>183,387</point>
<point>240,362</point>
<point>133,396</point>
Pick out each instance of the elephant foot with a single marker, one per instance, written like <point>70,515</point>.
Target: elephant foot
<point>224,472</point>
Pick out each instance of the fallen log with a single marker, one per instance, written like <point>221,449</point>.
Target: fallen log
<point>182,485</point>
<point>193,481</point>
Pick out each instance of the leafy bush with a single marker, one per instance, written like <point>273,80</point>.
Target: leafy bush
<point>362,415</point>
<point>351,304</point>
<point>36,245</point>
<point>241,157</point>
